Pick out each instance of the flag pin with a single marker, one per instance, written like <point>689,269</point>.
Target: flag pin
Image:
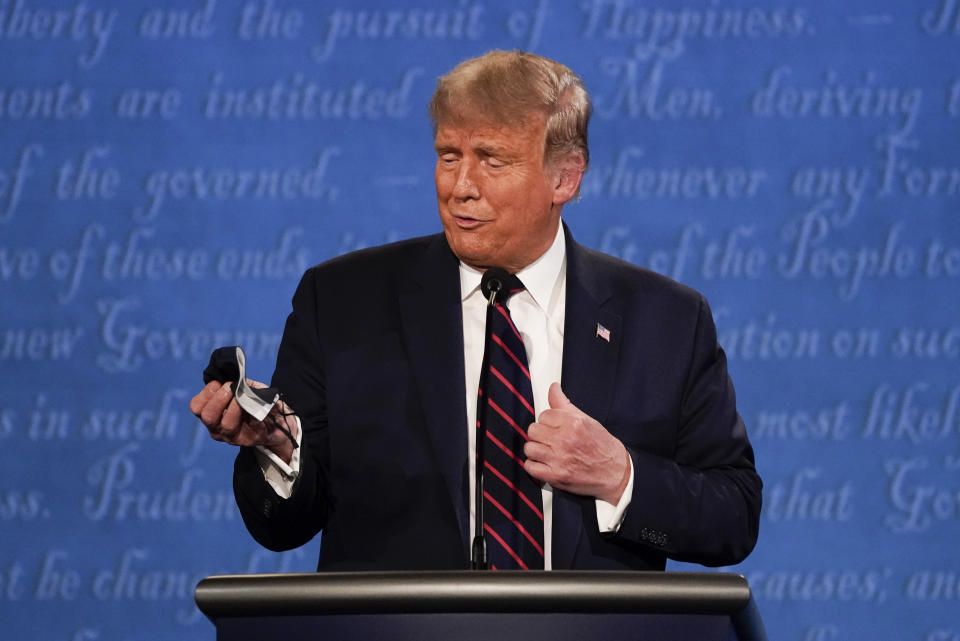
<point>603,332</point>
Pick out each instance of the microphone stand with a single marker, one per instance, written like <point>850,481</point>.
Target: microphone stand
<point>490,286</point>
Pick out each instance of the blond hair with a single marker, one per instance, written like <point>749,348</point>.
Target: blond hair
<point>506,87</point>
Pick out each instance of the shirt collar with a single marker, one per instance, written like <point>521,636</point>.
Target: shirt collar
<point>539,277</point>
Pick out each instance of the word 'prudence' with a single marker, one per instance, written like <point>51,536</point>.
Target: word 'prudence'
<point>115,496</point>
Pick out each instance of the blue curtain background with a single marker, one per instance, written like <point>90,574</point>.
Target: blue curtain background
<point>169,169</point>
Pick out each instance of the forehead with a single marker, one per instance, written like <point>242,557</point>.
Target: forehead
<point>524,134</point>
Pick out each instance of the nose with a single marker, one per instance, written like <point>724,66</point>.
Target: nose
<point>466,186</point>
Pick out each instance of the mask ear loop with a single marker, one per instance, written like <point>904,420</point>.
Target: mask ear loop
<point>272,421</point>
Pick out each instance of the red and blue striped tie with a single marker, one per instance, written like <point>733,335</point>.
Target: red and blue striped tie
<point>512,502</point>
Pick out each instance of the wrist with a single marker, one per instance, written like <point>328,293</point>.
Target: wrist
<point>614,495</point>
<point>278,441</point>
<point>283,449</point>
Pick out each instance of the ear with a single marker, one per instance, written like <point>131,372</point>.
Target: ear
<point>567,174</point>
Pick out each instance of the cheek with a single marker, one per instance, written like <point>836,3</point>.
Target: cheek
<point>505,199</point>
<point>445,179</point>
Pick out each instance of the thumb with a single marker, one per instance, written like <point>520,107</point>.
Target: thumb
<point>557,398</point>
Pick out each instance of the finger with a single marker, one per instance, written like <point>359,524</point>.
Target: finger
<point>538,470</point>
<point>540,432</point>
<point>212,412</point>
<point>537,452</point>
<point>231,421</point>
<point>556,397</point>
<point>554,418</point>
<point>198,401</point>
<point>244,438</point>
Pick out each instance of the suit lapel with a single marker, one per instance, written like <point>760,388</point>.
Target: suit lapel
<point>433,329</point>
<point>588,379</point>
<point>589,359</point>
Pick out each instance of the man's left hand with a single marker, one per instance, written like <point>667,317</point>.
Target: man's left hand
<point>571,451</point>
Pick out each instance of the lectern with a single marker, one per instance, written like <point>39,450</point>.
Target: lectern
<point>487,606</point>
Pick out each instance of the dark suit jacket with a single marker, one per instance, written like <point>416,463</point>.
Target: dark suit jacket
<point>372,362</point>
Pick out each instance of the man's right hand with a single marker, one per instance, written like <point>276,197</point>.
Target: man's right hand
<point>226,421</point>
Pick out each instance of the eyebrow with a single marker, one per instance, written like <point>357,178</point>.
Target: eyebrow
<point>492,151</point>
<point>485,149</point>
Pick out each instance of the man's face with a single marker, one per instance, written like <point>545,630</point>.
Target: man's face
<point>499,205</point>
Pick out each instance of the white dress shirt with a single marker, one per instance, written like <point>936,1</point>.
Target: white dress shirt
<point>538,313</point>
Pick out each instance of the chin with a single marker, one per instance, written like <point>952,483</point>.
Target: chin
<point>479,262</point>
<point>467,252</point>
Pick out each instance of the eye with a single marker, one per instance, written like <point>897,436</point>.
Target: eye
<point>447,159</point>
<point>494,162</point>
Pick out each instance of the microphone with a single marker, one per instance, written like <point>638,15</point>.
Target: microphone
<point>491,284</point>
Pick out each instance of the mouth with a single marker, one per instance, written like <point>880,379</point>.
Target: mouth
<point>466,222</point>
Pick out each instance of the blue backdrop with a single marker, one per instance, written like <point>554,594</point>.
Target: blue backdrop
<point>168,170</point>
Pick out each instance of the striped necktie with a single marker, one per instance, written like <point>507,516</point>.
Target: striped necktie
<point>512,502</point>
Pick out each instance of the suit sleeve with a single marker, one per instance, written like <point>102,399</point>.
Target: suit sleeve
<point>703,504</point>
<point>275,522</point>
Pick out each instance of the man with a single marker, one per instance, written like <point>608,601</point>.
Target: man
<point>637,443</point>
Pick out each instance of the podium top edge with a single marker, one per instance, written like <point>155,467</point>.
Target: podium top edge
<point>465,591</point>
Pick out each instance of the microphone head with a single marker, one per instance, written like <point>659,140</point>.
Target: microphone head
<point>492,282</point>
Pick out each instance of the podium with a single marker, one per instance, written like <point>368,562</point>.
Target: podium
<point>487,606</point>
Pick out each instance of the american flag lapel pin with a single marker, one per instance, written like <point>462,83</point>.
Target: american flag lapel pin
<point>603,332</point>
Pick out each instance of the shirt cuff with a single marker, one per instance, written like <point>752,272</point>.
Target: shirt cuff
<point>610,516</point>
<point>279,474</point>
